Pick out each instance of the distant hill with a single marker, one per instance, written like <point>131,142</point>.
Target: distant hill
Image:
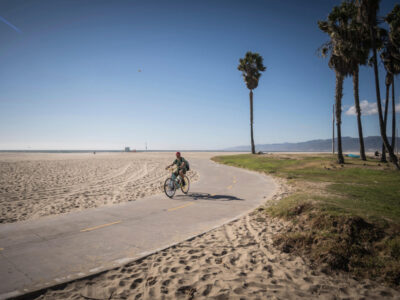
<point>349,144</point>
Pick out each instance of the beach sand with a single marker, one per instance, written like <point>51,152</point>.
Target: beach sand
<point>34,185</point>
<point>235,261</point>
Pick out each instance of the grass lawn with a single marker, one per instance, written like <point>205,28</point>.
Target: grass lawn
<point>347,216</point>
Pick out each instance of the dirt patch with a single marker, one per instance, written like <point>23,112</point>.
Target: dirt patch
<point>344,243</point>
<point>317,188</point>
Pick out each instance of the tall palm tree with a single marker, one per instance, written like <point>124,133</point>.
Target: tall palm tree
<point>333,26</point>
<point>384,47</point>
<point>390,56</point>
<point>353,51</point>
<point>388,82</point>
<point>251,67</point>
<point>393,19</point>
<point>367,15</point>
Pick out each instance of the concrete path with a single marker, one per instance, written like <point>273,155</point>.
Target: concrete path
<point>39,253</point>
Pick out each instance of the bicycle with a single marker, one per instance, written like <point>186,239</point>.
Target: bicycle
<point>174,182</point>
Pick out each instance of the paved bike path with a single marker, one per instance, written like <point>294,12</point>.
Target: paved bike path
<point>47,251</point>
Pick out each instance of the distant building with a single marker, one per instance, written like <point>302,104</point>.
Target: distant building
<point>127,149</point>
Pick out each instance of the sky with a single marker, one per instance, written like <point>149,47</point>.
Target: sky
<point>109,74</point>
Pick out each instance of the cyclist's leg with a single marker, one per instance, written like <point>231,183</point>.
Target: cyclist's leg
<point>182,173</point>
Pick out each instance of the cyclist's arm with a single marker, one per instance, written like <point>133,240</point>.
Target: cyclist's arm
<point>173,163</point>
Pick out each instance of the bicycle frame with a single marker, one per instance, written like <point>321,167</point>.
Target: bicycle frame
<point>173,176</point>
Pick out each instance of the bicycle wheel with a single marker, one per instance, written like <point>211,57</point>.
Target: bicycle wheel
<point>169,187</point>
<point>185,189</point>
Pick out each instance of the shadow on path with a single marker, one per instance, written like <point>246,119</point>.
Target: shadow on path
<point>207,196</point>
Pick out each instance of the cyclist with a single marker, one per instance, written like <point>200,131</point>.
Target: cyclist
<point>182,165</point>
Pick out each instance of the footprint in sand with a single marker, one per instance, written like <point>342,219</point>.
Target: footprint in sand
<point>163,290</point>
<point>151,281</point>
<point>188,291</point>
<point>166,282</point>
<point>136,282</point>
<point>205,277</point>
<point>207,290</point>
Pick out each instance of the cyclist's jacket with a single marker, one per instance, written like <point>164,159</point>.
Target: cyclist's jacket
<point>178,162</point>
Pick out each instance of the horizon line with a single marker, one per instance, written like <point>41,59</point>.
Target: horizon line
<point>226,149</point>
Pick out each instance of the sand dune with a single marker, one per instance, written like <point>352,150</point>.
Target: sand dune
<point>36,185</point>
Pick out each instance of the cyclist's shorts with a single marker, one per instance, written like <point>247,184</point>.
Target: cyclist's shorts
<point>177,171</point>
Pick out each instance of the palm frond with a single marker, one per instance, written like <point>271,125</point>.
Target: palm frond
<point>251,67</point>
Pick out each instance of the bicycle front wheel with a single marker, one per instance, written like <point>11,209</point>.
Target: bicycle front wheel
<point>185,188</point>
<point>169,187</point>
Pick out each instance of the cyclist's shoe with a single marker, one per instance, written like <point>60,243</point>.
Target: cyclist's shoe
<point>183,182</point>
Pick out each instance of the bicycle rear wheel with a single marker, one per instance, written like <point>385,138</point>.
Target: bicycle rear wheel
<point>185,188</point>
<point>169,187</point>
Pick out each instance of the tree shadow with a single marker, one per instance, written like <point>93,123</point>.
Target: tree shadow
<point>207,196</point>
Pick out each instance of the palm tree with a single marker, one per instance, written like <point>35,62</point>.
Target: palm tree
<point>358,110</point>
<point>337,64</point>
<point>354,52</point>
<point>384,47</point>
<point>389,57</point>
<point>367,11</point>
<point>334,26</point>
<point>251,66</point>
<point>388,82</point>
<point>393,19</point>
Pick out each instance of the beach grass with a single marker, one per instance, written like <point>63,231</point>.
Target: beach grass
<point>367,189</point>
<point>347,216</point>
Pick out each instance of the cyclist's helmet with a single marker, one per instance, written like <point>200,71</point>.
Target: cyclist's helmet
<point>178,154</point>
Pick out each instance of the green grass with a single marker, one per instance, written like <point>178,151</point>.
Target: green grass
<point>367,191</point>
<point>344,216</point>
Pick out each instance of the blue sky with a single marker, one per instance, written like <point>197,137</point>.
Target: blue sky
<point>69,74</point>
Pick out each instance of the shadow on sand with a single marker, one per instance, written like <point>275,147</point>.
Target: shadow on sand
<point>206,196</point>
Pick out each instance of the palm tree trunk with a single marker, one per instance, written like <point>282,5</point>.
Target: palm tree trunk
<point>383,157</point>
<point>393,117</point>
<point>393,157</point>
<point>253,148</point>
<point>338,106</point>
<point>357,103</point>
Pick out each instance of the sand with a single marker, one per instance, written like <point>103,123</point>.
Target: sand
<point>34,185</point>
<point>235,261</point>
